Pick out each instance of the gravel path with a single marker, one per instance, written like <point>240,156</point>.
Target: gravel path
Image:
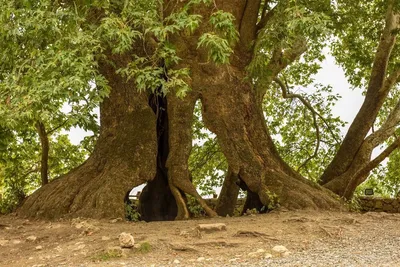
<point>311,238</point>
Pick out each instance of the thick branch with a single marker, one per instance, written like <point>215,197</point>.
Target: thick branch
<point>266,17</point>
<point>248,25</point>
<point>279,61</point>
<point>363,172</point>
<point>378,88</point>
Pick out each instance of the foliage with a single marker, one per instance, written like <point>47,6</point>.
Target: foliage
<point>145,247</point>
<point>195,209</point>
<point>131,212</point>
<point>106,255</point>
<point>20,165</point>
<point>385,179</point>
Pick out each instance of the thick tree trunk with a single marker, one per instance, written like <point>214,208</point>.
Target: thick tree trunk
<point>44,143</point>
<point>232,111</point>
<point>124,157</point>
<point>229,193</point>
<point>180,114</point>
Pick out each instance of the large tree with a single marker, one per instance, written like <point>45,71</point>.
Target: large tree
<point>157,59</point>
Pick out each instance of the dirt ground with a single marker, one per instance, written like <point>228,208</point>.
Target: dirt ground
<point>311,238</point>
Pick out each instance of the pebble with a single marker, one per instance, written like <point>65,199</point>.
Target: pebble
<point>31,238</point>
<point>4,242</point>
<point>212,227</point>
<point>279,249</point>
<point>201,259</point>
<point>126,240</point>
<point>257,254</point>
<point>176,261</point>
<point>39,248</point>
<point>105,238</point>
<point>116,220</point>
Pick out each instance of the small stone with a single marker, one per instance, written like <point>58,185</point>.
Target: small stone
<point>257,254</point>
<point>87,227</point>
<point>212,227</point>
<point>126,240</point>
<point>268,256</point>
<point>176,261</point>
<point>285,254</point>
<point>105,238</point>
<point>79,247</point>
<point>31,238</point>
<point>184,233</point>
<point>253,255</point>
<point>4,242</point>
<point>280,249</point>
<point>30,258</point>
<point>200,259</point>
<point>116,220</point>
<point>16,242</point>
<point>39,248</point>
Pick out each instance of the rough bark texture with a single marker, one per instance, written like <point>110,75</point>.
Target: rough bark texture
<point>180,114</point>
<point>44,143</point>
<point>228,196</point>
<point>232,111</point>
<point>124,157</point>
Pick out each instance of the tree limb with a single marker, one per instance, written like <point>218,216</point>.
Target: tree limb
<point>378,88</point>
<point>370,166</point>
<point>266,16</point>
<point>389,126</point>
<point>286,94</point>
<point>279,61</point>
<point>248,25</point>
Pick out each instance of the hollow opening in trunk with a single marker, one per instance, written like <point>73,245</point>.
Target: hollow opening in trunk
<point>156,202</point>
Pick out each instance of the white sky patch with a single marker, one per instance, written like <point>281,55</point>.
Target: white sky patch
<point>351,100</point>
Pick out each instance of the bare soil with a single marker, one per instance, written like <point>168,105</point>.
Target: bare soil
<point>312,239</point>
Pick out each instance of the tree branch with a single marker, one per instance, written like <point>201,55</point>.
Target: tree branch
<point>286,94</point>
<point>266,16</point>
<point>389,126</point>
<point>248,25</point>
<point>57,127</point>
<point>378,88</point>
<point>364,171</point>
<point>280,60</point>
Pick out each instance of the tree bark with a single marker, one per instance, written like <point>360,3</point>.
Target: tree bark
<point>231,109</point>
<point>228,196</point>
<point>378,88</point>
<point>124,157</point>
<point>44,143</point>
